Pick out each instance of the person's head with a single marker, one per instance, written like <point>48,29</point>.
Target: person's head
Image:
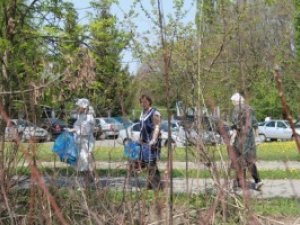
<point>145,101</point>
<point>83,105</point>
<point>237,99</point>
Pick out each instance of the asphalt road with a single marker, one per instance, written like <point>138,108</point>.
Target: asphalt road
<point>285,188</point>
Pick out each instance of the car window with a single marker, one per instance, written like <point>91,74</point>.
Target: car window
<point>23,123</point>
<point>97,121</point>
<point>270,124</point>
<point>164,126</point>
<point>110,120</point>
<point>174,126</point>
<point>287,124</point>
<point>281,124</point>
<point>136,127</point>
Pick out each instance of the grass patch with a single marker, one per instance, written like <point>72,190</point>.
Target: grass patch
<point>281,151</point>
<point>271,151</point>
<point>274,207</point>
<point>177,173</point>
<point>277,207</point>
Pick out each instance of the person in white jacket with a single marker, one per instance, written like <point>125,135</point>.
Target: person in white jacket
<point>83,128</point>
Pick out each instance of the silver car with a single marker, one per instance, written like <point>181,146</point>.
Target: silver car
<point>110,127</point>
<point>133,132</point>
<point>275,130</point>
<point>179,136</point>
<point>23,130</point>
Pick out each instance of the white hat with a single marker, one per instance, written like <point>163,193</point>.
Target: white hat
<point>83,103</point>
<point>237,98</point>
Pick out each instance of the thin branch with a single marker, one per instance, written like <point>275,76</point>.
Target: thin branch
<point>29,90</point>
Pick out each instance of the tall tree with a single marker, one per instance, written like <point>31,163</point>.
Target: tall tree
<point>107,43</point>
<point>29,41</point>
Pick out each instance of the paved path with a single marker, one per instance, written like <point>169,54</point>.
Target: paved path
<point>271,188</point>
<point>262,165</point>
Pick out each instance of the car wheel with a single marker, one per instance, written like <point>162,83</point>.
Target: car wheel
<point>262,137</point>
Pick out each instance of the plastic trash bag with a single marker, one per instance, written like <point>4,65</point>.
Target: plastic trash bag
<point>66,148</point>
<point>132,150</point>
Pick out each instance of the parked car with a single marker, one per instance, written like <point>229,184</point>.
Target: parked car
<point>133,132</point>
<point>274,130</point>
<point>124,121</point>
<point>19,129</point>
<point>110,127</point>
<point>54,126</point>
<point>209,134</point>
<point>179,135</point>
<point>174,125</point>
<point>191,136</point>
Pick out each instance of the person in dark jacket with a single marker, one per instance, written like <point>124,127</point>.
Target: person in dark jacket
<point>242,140</point>
<point>150,141</point>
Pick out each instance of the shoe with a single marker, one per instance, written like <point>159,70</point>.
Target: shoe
<point>258,185</point>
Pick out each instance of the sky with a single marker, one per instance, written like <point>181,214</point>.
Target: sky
<point>142,22</point>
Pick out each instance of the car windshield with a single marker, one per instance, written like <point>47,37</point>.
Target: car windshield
<point>57,121</point>
<point>123,120</point>
<point>164,126</point>
<point>111,120</point>
<point>25,123</point>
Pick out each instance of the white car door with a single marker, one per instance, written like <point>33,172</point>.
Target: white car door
<point>135,132</point>
<point>282,131</point>
<point>269,129</point>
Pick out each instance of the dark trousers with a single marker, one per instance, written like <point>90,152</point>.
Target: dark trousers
<point>153,180</point>
<point>241,173</point>
<point>241,164</point>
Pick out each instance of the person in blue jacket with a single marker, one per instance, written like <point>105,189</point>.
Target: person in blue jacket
<point>150,141</point>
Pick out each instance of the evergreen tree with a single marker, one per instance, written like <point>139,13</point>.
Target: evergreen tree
<point>112,86</point>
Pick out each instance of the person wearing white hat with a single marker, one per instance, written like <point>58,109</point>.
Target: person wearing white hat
<point>243,141</point>
<point>83,128</point>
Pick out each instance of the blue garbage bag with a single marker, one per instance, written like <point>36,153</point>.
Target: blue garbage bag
<point>149,154</point>
<point>66,148</point>
<point>132,150</point>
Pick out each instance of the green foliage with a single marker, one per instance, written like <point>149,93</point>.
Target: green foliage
<point>297,26</point>
<point>266,100</point>
<point>272,151</point>
<point>113,81</point>
<point>277,207</point>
